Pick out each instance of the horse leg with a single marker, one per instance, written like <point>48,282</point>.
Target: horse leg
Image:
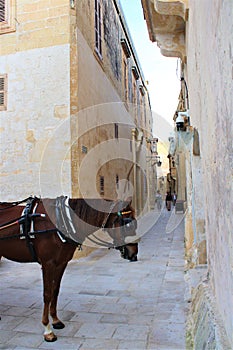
<point>132,251</point>
<point>57,324</point>
<point>48,271</point>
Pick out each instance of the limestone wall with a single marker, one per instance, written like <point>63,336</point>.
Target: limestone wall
<point>36,25</point>
<point>34,56</point>
<point>206,68</point>
<point>65,100</point>
<point>37,103</point>
<point>209,74</point>
<point>102,106</point>
<point>205,328</point>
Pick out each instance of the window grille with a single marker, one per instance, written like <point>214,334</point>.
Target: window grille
<point>98,27</point>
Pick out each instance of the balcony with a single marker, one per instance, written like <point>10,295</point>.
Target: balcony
<point>166,25</point>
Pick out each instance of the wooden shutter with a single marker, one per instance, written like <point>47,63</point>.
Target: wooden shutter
<point>101,185</point>
<point>2,92</point>
<point>2,10</point>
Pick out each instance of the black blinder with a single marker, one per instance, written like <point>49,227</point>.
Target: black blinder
<point>128,226</point>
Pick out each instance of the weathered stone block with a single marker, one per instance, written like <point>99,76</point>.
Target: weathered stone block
<point>205,327</point>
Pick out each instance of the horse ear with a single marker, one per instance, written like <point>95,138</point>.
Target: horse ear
<point>129,200</point>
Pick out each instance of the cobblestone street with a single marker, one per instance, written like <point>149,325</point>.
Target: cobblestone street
<point>105,301</point>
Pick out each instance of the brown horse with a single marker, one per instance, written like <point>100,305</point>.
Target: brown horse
<point>48,231</point>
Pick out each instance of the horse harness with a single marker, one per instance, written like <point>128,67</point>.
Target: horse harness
<point>64,223</point>
<point>26,223</point>
<point>27,226</point>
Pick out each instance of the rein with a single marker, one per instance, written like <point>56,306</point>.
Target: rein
<point>18,235</point>
<point>99,241</point>
<point>107,217</point>
<point>14,204</point>
<point>102,242</point>
<point>64,222</point>
<point>20,220</point>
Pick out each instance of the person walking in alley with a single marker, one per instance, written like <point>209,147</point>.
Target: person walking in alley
<point>158,200</point>
<point>168,201</point>
<point>174,198</point>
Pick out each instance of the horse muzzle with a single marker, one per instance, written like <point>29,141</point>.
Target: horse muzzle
<point>129,251</point>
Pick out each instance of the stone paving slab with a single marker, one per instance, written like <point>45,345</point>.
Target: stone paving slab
<point>106,302</point>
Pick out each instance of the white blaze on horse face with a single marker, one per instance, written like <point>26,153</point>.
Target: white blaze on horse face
<point>47,329</point>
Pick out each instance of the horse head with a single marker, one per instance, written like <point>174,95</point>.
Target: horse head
<point>87,216</point>
<point>121,226</point>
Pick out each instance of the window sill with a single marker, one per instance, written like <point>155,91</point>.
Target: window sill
<point>6,28</point>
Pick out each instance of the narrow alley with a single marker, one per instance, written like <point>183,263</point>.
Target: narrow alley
<point>106,302</point>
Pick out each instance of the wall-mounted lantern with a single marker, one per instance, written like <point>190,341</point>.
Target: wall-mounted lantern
<point>158,161</point>
<point>72,4</point>
<point>153,145</point>
<point>154,153</point>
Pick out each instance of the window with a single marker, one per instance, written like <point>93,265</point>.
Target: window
<point>117,181</point>
<point>142,106</point>
<point>116,129</point>
<point>125,78</point>
<point>135,77</point>
<point>7,16</point>
<point>84,149</point>
<point>3,92</point>
<point>101,185</point>
<point>125,58</point>
<point>134,92</point>
<point>98,27</point>
<point>2,11</point>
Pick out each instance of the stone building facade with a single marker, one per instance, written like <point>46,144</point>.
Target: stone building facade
<point>74,108</point>
<point>200,34</point>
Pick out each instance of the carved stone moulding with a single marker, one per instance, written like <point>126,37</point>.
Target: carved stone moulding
<point>166,25</point>
<point>173,8</point>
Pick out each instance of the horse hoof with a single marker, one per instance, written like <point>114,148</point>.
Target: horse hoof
<point>58,325</point>
<point>134,258</point>
<point>50,337</point>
